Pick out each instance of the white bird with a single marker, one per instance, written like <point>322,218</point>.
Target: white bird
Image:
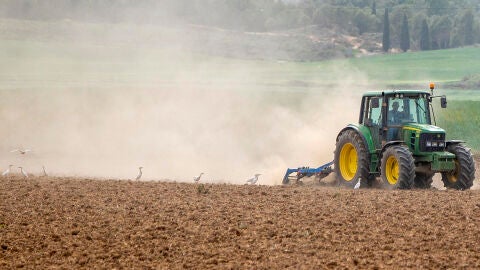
<point>7,171</point>
<point>197,178</point>
<point>254,179</point>
<point>23,172</point>
<point>357,185</point>
<point>21,151</point>
<point>139,173</point>
<point>44,171</point>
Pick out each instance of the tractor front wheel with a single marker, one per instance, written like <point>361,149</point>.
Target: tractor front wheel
<point>464,173</point>
<point>398,168</point>
<point>352,159</point>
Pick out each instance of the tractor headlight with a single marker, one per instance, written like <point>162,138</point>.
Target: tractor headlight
<point>430,142</point>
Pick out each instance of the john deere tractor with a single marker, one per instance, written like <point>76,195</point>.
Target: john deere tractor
<point>396,140</point>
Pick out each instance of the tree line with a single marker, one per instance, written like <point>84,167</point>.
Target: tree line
<point>411,24</point>
<point>435,32</point>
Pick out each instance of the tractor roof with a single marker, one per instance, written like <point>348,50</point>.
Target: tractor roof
<point>393,92</point>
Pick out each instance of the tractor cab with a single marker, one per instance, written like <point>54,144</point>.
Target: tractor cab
<point>385,114</point>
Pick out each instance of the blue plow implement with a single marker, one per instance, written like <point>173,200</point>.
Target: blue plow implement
<point>301,172</point>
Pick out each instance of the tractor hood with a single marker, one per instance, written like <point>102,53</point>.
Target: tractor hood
<point>423,128</point>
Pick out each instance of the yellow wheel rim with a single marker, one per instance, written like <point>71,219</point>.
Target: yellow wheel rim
<point>348,161</point>
<point>453,176</point>
<point>391,170</point>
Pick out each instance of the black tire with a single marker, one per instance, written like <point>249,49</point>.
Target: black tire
<point>462,177</point>
<point>370,182</point>
<point>398,168</point>
<point>423,180</point>
<point>350,147</point>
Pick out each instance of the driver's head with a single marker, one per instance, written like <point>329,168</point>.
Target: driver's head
<point>395,105</point>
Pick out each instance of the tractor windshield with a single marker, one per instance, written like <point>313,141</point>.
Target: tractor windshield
<point>408,109</point>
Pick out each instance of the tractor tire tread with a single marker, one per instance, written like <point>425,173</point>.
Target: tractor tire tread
<point>466,174</point>
<point>423,180</point>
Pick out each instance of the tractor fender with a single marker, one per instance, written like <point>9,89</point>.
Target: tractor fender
<point>362,131</point>
<point>388,144</point>
<point>450,142</point>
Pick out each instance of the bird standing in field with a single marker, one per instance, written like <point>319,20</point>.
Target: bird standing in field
<point>44,171</point>
<point>253,180</point>
<point>7,171</point>
<point>25,174</point>
<point>21,151</point>
<point>357,185</point>
<point>197,178</point>
<point>139,173</point>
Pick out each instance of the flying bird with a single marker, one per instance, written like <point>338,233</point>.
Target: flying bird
<point>357,185</point>
<point>23,172</point>
<point>197,178</point>
<point>7,171</point>
<point>253,180</point>
<point>139,173</point>
<point>21,151</point>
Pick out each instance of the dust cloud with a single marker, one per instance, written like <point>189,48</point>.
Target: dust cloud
<point>86,114</point>
<point>173,133</point>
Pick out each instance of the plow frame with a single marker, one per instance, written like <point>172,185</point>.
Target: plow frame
<point>319,172</point>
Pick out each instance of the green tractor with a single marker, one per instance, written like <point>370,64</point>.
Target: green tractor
<point>395,139</point>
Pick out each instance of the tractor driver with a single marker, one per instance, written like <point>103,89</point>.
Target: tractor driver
<point>395,116</point>
<point>394,119</point>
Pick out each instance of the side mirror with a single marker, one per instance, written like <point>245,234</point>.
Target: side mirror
<point>375,103</point>
<point>443,102</point>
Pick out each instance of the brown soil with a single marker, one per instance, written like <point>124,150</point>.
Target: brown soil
<point>104,224</point>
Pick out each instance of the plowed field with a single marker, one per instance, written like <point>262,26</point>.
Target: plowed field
<point>66,223</point>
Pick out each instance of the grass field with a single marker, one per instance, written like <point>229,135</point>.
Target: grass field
<point>441,66</point>
<point>133,63</point>
<point>461,120</point>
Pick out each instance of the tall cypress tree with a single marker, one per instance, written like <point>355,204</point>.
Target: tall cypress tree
<point>405,35</point>
<point>424,37</point>
<point>468,20</point>
<point>386,32</point>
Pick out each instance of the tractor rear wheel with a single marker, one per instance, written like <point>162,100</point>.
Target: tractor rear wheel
<point>352,159</point>
<point>464,173</point>
<point>398,168</point>
<point>423,180</point>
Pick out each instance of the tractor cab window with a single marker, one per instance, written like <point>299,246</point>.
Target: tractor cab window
<point>373,114</point>
<point>407,110</point>
<point>419,112</point>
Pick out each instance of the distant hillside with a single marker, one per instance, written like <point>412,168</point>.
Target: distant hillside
<point>310,43</point>
<point>321,29</point>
